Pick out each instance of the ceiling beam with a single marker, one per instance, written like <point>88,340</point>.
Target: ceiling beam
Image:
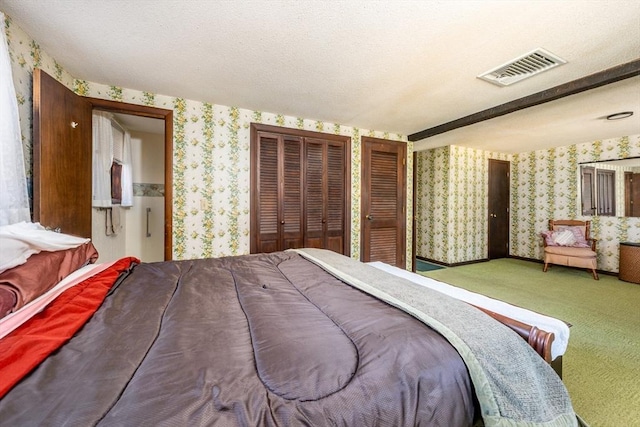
<point>611,75</point>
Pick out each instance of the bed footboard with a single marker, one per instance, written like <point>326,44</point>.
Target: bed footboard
<point>538,339</point>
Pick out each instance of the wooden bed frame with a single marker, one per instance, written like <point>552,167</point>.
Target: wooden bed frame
<point>539,339</point>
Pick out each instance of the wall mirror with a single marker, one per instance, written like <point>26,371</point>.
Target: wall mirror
<point>610,188</point>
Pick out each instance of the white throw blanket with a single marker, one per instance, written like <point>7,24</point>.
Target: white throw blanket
<point>549,324</point>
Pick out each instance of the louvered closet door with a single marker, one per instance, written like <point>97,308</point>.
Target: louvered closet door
<point>292,190</point>
<point>268,203</point>
<point>336,198</point>
<point>299,190</point>
<point>325,200</point>
<point>383,210</point>
<point>278,202</point>
<point>315,193</point>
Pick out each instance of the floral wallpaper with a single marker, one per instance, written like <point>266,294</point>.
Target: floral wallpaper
<point>451,206</point>
<point>211,155</point>
<point>545,185</point>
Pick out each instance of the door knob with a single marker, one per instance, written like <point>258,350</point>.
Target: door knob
<point>369,217</point>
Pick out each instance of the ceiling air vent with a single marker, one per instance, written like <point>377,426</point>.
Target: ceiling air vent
<point>523,67</point>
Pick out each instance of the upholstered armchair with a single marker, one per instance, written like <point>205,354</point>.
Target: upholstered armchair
<point>568,243</point>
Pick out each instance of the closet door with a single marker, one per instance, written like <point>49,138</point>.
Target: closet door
<point>325,200</point>
<point>266,201</point>
<point>299,190</point>
<point>315,193</point>
<point>336,206</point>
<point>292,190</point>
<point>277,200</point>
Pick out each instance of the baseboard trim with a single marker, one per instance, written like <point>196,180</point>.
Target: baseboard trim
<point>538,261</point>
<point>522,258</point>
<point>455,264</point>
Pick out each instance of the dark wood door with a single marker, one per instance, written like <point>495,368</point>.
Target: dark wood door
<point>315,193</point>
<point>336,223</point>
<point>266,200</point>
<point>299,190</point>
<point>498,209</point>
<point>325,201</point>
<point>278,199</point>
<point>292,192</point>
<point>383,201</point>
<point>61,157</point>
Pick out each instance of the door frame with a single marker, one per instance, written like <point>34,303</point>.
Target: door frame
<point>414,245</point>
<point>167,117</point>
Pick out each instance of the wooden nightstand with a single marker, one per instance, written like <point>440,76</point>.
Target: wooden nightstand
<point>629,262</point>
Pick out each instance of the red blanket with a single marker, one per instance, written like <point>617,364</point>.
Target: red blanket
<point>31,343</point>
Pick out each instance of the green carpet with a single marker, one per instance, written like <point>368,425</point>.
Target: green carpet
<point>601,367</point>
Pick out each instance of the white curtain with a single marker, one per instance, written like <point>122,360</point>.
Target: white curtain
<point>102,159</point>
<point>127,173</point>
<point>14,200</point>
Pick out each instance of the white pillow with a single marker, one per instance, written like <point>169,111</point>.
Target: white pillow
<point>565,238</point>
<point>21,240</point>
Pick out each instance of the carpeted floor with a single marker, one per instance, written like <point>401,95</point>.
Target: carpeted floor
<point>601,367</point>
<point>426,266</point>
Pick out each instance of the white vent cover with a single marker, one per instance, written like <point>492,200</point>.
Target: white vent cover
<point>526,66</point>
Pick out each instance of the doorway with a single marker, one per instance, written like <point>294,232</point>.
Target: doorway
<point>62,141</point>
<point>133,111</point>
<point>133,226</point>
<point>498,235</point>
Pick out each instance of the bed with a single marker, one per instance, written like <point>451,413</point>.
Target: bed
<point>302,337</point>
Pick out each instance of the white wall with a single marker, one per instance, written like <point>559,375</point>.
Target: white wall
<point>147,159</point>
<point>147,156</point>
<point>110,241</point>
<point>113,247</point>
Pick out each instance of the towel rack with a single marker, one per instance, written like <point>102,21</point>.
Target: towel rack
<point>148,213</point>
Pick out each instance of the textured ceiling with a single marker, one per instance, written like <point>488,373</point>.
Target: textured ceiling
<point>397,66</point>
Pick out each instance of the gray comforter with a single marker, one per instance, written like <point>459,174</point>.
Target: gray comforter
<point>245,341</point>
